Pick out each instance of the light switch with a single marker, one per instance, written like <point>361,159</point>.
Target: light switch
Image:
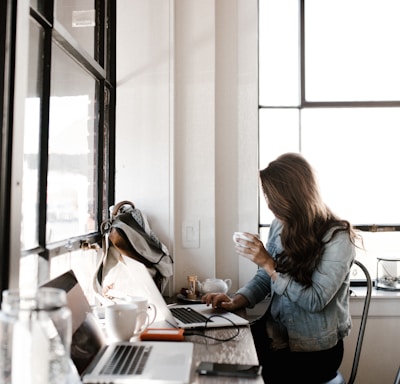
<point>191,234</point>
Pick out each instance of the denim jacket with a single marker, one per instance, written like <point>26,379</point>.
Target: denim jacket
<point>316,317</point>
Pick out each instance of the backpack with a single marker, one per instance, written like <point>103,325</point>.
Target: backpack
<point>127,236</point>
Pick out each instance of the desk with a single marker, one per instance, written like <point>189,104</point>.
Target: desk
<point>240,350</point>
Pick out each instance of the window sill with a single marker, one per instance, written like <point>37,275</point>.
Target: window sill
<point>384,303</point>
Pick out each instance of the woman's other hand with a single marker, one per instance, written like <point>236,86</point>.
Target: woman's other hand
<point>221,300</point>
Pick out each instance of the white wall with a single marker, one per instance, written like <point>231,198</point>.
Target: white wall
<point>187,128</point>
<point>187,132</point>
<point>380,354</point>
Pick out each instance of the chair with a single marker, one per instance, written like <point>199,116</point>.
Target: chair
<point>397,378</point>
<point>339,379</point>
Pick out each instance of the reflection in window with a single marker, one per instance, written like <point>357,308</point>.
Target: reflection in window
<point>78,17</point>
<point>71,193</point>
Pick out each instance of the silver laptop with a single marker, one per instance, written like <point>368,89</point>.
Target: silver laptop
<point>124,362</point>
<point>177,316</point>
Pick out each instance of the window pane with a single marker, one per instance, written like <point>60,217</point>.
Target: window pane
<point>29,271</point>
<point>30,191</point>
<point>279,133</point>
<point>38,5</point>
<point>356,154</point>
<point>71,193</point>
<point>79,18</point>
<point>352,55</point>
<point>378,244</point>
<point>279,52</point>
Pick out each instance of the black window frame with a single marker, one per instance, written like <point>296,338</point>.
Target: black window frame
<point>303,104</point>
<point>103,68</point>
<point>7,65</point>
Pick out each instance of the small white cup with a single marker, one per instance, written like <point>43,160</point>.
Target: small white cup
<point>143,305</point>
<point>121,321</point>
<point>240,235</point>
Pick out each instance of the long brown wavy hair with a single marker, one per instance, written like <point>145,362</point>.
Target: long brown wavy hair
<point>292,193</point>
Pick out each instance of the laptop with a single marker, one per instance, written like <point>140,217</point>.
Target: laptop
<point>122,362</point>
<point>176,316</point>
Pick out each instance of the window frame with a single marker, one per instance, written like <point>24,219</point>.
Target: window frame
<point>7,67</point>
<point>102,67</point>
<point>304,104</point>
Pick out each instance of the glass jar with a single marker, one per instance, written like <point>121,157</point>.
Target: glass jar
<point>388,274</point>
<point>35,337</point>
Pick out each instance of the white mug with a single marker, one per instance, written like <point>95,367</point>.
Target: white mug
<point>122,319</point>
<point>241,235</point>
<point>144,305</point>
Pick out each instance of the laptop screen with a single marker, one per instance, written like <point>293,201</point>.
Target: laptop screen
<point>87,336</point>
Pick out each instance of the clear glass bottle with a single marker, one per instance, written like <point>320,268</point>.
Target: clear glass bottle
<point>35,337</point>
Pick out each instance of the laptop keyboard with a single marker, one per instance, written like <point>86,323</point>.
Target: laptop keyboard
<point>127,360</point>
<point>188,315</point>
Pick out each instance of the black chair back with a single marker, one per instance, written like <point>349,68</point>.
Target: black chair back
<point>364,317</point>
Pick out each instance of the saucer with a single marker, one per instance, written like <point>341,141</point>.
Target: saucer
<point>197,300</point>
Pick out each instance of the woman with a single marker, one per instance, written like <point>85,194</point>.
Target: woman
<point>305,267</point>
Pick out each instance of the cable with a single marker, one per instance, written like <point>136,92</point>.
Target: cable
<point>197,333</point>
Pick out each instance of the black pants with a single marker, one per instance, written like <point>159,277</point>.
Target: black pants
<point>284,366</point>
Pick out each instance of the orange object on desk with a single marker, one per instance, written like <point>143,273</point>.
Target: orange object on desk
<point>163,334</point>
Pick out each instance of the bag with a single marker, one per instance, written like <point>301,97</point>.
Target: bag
<point>127,236</point>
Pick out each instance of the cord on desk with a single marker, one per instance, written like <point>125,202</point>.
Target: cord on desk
<point>197,333</point>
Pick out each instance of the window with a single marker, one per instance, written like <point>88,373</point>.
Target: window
<point>333,94</point>
<point>67,171</point>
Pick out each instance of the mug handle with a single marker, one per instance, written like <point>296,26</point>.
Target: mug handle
<point>154,309</point>
<point>139,331</point>
<point>228,283</point>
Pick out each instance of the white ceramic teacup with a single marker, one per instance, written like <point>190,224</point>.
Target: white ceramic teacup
<point>240,235</point>
<point>122,321</point>
<point>144,305</point>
